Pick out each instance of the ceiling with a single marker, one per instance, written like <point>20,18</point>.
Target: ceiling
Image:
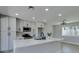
<point>70,13</point>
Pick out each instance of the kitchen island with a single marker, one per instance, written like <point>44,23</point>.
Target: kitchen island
<point>37,46</point>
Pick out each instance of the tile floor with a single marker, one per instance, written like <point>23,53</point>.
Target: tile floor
<point>69,48</point>
<point>53,48</point>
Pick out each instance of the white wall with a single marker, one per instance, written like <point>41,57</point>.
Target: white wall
<point>57,31</point>
<point>49,28</point>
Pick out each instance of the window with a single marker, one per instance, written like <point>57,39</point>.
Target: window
<point>77,30</point>
<point>70,30</point>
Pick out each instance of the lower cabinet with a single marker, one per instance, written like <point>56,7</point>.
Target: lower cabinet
<point>4,41</point>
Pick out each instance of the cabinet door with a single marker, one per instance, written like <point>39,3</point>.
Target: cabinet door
<point>8,32</point>
<point>4,33</point>
<point>11,38</point>
<point>12,24</point>
<point>4,41</point>
<point>12,31</point>
<point>4,23</point>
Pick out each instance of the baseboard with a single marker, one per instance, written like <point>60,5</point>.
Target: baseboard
<point>73,43</point>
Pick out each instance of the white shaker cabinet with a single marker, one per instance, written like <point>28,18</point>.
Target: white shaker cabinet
<point>7,32</point>
<point>4,33</point>
<point>12,31</point>
<point>12,24</point>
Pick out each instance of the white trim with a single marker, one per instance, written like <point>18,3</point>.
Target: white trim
<point>73,43</point>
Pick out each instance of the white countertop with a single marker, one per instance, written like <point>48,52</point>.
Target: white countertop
<point>30,42</point>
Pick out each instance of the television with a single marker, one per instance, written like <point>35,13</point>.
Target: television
<point>26,29</point>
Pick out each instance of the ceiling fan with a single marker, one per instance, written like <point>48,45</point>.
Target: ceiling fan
<point>63,22</point>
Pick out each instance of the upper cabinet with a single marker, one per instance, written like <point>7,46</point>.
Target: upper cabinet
<point>12,23</point>
<point>8,23</point>
<point>4,23</point>
<point>40,24</point>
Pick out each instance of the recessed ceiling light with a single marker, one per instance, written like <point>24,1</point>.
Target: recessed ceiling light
<point>17,14</point>
<point>33,17</point>
<point>59,14</point>
<point>45,20</point>
<point>46,9</point>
